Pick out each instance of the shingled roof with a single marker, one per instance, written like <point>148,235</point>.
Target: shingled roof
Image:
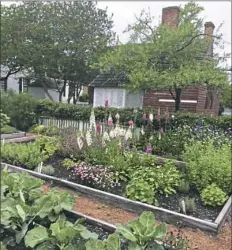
<point>105,79</point>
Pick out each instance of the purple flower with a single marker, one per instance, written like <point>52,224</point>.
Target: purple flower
<point>149,149</point>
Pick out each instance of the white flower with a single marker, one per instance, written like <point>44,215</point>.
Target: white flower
<point>88,138</point>
<point>142,131</point>
<point>80,142</point>
<point>106,136</point>
<point>173,116</point>
<point>112,133</point>
<point>92,122</point>
<point>128,134</point>
<point>151,117</point>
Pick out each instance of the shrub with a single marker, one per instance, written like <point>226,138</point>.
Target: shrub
<point>213,196</point>
<point>94,176</point>
<point>68,163</point>
<point>140,190</point>
<point>39,129</point>
<point>4,120</point>
<point>8,130</point>
<point>207,164</point>
<point>20,108</point>
<point>184,186</point>
<point>84,97</point>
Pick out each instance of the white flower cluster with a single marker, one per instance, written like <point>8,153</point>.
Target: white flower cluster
<point>89,138</point>
<point>92,122</point>
<point>128,134</point>
<point>80,142</point>
<point>105,138</point>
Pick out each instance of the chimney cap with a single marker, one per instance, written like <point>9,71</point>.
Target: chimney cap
<point>171,8</point>
<point>209,24</point>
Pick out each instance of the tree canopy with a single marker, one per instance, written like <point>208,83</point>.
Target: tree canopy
<point>160,57</point>
<point>58,40</point>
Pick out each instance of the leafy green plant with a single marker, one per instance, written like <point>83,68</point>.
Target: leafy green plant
<point>24,155</point>
<point>111,243</point>
<point>213,196</point>
<point>62,234</point>
<point>189,205</point>
<point>207,164</point>
<point>39,129</point>
<point>68,163</point>
<point>48,145</point>
<point>47,169</point>
<point>4,120</point>
<point>184,186</point>
<point>139,190</point>
<point>143,232</point>
<point>8,129</point>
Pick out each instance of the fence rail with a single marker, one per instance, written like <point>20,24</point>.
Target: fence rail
<point>81,126</point>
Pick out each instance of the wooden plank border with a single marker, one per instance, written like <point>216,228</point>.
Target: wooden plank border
<point>12,136</point>
<point>162,214</point>
<point>21,139</point>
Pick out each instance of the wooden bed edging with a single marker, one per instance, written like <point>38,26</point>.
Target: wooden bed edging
<point>21,139</point>
<point>162,214</point>
<point>13,135</point>
<point>90,220</point>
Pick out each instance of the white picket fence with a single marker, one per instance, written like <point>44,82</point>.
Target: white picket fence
<point>60,123</point>
<point>81,126</point>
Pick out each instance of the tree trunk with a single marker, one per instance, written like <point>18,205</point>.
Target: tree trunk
<point>60,96</point>
<point>177,99</point>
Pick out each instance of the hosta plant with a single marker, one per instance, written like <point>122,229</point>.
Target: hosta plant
<point>143,233</point>
<point>47,169</point>
<point>213,196</point>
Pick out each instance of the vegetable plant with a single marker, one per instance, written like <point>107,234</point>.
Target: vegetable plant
<point>213,196</point>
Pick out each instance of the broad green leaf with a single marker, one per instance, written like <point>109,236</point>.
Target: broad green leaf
<point>21,196</point>
<point>126,232</point>
<point>134,246</point>
<point>86,234</point>
<point>113,242</point>
<point>36,236</point>
<point>21,212</point>
<point>95,245</point>
<point>160,231</point>
<point>147,219</point>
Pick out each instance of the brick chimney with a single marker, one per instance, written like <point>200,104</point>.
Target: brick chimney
<point>170,16</point>
<point>209,28</point>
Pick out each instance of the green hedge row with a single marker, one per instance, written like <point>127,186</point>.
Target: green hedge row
<point>24,111</point>
<point>74,112</point>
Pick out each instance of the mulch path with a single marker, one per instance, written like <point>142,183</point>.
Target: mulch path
<point>198,239</point>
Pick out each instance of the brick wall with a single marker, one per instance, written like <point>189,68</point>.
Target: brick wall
<point>198,94</point>
<point>170,16</point>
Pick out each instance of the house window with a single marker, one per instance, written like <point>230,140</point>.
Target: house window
<point>3,85</point>
<point>23,86</point>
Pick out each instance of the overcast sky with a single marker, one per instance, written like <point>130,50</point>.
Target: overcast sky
<point>215,11</point>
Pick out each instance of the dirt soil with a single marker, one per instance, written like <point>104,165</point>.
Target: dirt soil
<point>198,239</point>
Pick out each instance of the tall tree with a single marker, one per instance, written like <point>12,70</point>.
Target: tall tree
<point>62,39</point>
<point>12,40</point>
<point>164,58</point>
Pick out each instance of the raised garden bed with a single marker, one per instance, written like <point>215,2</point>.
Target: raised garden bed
<point>13,135</point>
<point>127,204</point>
<point>22,139</point>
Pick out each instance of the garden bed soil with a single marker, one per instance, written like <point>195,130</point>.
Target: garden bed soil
<point>172,202</point>
<point>198,239</point>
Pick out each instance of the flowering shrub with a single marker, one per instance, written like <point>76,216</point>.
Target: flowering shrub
<point>4,119</point>
<point>96,176</point>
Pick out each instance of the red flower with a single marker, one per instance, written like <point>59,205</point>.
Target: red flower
<point>106,103</point>
<point>98,127</point>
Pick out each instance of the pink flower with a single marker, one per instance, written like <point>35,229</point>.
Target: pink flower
<point>106,103</point>
<point>110,120</point>
<point>149,149</point>
<point>98,127</point>
<point>131,123</point>
<point>144,116</point>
